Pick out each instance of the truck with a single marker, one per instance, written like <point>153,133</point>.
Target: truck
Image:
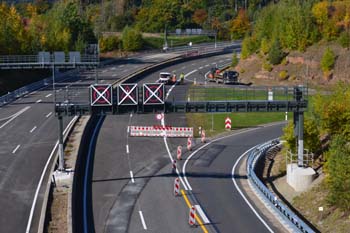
<point>223,76</point>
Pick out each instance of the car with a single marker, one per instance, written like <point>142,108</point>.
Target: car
<point>166,78</point>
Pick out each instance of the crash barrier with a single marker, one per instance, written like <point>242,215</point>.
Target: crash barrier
<point>183,57</point>
<point>11,96</point>
<point>292,219</point>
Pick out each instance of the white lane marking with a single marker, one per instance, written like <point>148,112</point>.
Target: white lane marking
<point>206,65</point>
<point>213,63</point>
<point>166,143</point>
<point>142,220</point>
<point>49,114</point>
<point>34,92</point>
<point>202,214</point>
<point>32,130</point>
<point>14,116</point>
<point>241,193</point>
<point>188,74</point>
<point>113,68</point>
<point>17,147</point>
<point>205,145</point>
<point>200,67</point>
<point>132,177</point>
<point>193,64</point>
<point>221,61</point>
<point>184,67</point>
<point>121,66</point>
<point>114,75</point>
<point>48,95</point>
<point>128,130</point>
<point>127,149</point>
<point>42,178</point>
<point>38,101</point>
<point>104,71</point>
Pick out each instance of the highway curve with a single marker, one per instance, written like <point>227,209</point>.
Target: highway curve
<point>132,178</point>
<point>29,131</point>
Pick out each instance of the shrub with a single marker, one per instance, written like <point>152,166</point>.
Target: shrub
<point>132,39</point>
<point>234,59</point>
<point>344,40</point>
<point>327,61</point>
<point>338,168</point>
<point>283,75</point>
<point>267,66</point>
<point>109,43</point>
<point>284,61</point>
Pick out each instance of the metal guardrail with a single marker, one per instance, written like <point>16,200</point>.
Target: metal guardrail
<point>11,96</point>
<point>294,221</point>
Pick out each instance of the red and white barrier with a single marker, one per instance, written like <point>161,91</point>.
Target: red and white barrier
<point>189,143</point>
<point>177,187</point>
<point>179,153</point>
<point>228,123</point>
<point>192,217</point>
<point>160,131</point>
<point>203,136</point>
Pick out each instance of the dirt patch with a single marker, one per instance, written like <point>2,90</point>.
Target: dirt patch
<point>301,68</point>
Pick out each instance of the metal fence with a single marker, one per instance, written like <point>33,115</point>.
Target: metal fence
<point>294,221</point>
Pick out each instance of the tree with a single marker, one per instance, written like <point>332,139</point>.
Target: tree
<point>249,46</point>
<point>328,60</point>
<point>275,54</point>
<point>240,25</point>
<point>200,16</point>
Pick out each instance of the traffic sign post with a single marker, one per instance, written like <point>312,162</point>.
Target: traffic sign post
<point>127,94</point>
<point>153,93</point>
<point>228,123</point>
<point>101,95</point>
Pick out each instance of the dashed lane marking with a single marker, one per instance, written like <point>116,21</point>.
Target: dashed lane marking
<point>17,147</point>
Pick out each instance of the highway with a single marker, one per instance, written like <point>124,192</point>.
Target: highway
<point>132,180</point>
<point>29,131</point>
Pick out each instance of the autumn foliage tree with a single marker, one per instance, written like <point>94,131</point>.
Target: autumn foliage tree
<point>240,25</point>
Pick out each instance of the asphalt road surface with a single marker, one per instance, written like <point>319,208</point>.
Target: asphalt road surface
<point>132,184</point>
<point>29,131</point>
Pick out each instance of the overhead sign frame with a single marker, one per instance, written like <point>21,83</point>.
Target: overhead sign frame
<point>128,94</point>
<point>101,95</point>
<point>153,93</point>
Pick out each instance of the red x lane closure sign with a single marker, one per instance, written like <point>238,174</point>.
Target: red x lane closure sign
<point>153,93</point>
<point>101,95</point>
<point>127,94</point>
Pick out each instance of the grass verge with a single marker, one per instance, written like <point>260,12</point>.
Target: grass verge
<point>215,123</point>
<point>331,219</point>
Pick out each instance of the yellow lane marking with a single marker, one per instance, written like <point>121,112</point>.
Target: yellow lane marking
<point>196,216</point>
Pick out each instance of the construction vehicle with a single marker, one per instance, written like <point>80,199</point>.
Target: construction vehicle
<point>222,76</point>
